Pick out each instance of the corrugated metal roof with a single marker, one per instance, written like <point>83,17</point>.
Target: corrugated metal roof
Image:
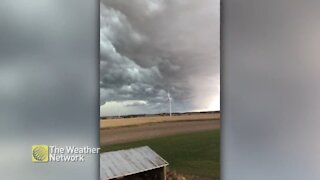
<point>131,161</point>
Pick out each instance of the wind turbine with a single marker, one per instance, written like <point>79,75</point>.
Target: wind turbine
<point>170,100</point>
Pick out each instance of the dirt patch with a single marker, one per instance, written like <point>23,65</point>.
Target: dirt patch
<point>148,131</point>
<point>122,122</point>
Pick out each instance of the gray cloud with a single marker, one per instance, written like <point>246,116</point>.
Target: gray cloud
<point>148,48</point>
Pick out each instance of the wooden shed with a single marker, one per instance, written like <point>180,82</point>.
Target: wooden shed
<point>140,163</point>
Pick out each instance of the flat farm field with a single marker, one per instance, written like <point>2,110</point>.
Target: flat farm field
<point>123,122</point>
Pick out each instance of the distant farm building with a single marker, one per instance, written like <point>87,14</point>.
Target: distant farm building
<point>140,163</point>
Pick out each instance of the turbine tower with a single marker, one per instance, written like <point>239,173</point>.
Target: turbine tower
<point>170,100</point>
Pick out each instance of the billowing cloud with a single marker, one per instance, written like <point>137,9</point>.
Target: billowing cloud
<point>151,47</point>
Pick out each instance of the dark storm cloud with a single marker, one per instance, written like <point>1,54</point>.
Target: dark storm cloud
<point>150,47</point>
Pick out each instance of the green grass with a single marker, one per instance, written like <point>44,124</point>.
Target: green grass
<point>193,153</point>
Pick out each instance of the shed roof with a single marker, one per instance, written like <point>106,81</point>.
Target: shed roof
<point>127,162</point>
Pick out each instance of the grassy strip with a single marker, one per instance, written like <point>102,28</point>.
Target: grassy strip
<point>193,153</point>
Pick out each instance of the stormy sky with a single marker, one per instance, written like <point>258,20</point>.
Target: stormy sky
<point>151,47</point>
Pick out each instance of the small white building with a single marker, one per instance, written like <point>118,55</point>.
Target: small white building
<point>140,163</point>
